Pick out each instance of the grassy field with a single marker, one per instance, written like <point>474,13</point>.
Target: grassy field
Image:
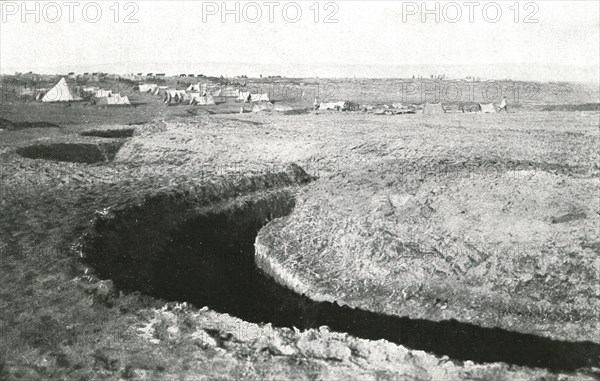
<point>490,220</point>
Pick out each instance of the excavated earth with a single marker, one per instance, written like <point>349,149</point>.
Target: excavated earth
<point>419,248</point>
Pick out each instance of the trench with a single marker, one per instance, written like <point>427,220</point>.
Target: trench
<point>208,260</point>
<point>6,124</point>
<point>115,133</point>
<point>72,152</point>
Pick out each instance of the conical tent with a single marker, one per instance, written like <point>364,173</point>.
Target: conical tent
<point>60,93</point>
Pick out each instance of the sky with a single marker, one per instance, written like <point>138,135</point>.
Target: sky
<point>540,40</point>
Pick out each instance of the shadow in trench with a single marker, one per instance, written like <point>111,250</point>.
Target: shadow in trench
<point>209,261</point>
<point>87,153</point>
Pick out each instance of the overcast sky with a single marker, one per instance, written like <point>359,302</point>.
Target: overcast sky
<point>369,39</point>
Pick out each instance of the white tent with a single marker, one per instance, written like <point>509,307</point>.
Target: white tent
<point>101,93</point>
<point>198,99</point>
<point>260,97</point>
<point>172,92</point>
<point>145,88</point>
<point>175,96</point>
<point>60,93</point>
<point>160,89</point>
<point>332,106</point>
<point>270,107</point>
<point>230,92</point>
<point>488,108</point>
<point>90,89</point>
<point>113,99</point>
<point>267,106</point>
<point>196,88</point>
<point>433,108</point>
<point>243,95</point>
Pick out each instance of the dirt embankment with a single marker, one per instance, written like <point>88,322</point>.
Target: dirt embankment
<point>407,215</point>
<point>495,249</point>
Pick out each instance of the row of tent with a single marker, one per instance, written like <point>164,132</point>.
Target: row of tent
<point>438,108</point>
<point>398,108</point>
<point>181,96</point>
<point>202,93</point>
<point>61,92</point>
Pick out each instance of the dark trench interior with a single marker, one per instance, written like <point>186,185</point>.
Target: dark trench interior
<point>72,152</point>
<point>209,261</point>
<point>117,133</point>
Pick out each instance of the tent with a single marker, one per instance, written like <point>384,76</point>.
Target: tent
<point>488,108</point>
<point>160,89</point>
<point>243,96</point>
<point>261,107</point>
<point>230,92</point>
<point>268,107</point>
<point>198,99</point>
<point>180,93</point>
<point>471,108</point>
<point>101,93</point>
<point>90,89</point>
<point>331,106</point>
<point>175,96</point>
<point>60,93</point>
<point>113,99</point>
<point>433,108</point>
<point>260,98</point>
<point>145,88</point>
<point>196,88</point>
<point>246,95</point>
<point>213,89</point>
